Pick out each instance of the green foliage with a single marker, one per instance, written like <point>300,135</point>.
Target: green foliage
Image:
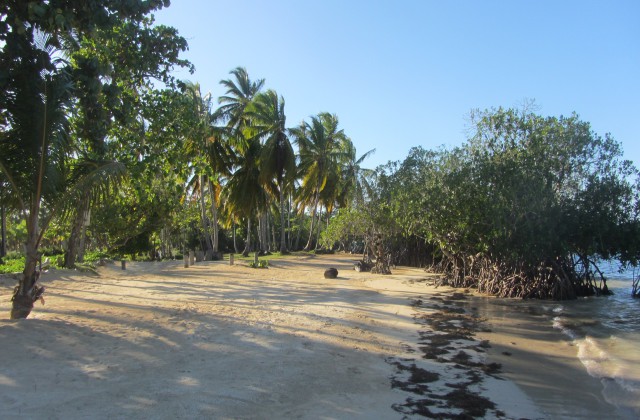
<point>92,257</point>
<point>348,225</point>
<point>524,208</point>
<point>70,73</point>
<point>259,264</point>
<point>12,263</point>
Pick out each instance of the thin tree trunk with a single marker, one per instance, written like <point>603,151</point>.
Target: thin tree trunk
<point>259,232</point>
<point>297,246</point>
<point>247,245</point>
<point>283,240</point>
<point>319,225</point>
<point>289,238</point>
<point>214,213</point>
<point>307,247</point>
<point>274,242</point>
<point>263,227</point>
<point>75,238</point>
<point>86,217</point>
<point>24,295</point>
<point>235,242</point>
<point>3,237</point>
<point>203,215</point>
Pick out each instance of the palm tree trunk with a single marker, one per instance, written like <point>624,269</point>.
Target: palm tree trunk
<point>3,227</point>
<point>24,295</point>
<point>297,245</point>
<point>259,234</point>
<point>319,225</point>
<point>289,238</point>
<point>283,241</point>
<point>273,242</point>
<point>75,242</point>
<point>235,242</point>
<point>214,212</point>
<point>83,235</point>
<point>247,245</point>
<point>264,232</point>
<point>203,215</point>
<point>307,247</point>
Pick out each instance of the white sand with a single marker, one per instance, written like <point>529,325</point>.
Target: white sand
<point>218,341</point>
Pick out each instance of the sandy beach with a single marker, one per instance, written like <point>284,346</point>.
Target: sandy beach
<point>158,340</point>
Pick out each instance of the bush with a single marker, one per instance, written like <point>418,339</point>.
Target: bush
<point>12,264</point>
<point>260,264</point>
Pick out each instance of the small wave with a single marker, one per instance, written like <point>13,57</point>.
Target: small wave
<point>619,388</point>
<point>594,358</point>
<point>562,324</point>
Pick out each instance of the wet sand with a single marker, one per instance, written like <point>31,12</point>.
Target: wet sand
<point>541,360</point>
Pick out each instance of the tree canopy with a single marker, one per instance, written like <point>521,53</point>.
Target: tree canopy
<point>526,207</point>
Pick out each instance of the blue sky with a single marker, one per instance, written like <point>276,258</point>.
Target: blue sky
<point>404,73</point>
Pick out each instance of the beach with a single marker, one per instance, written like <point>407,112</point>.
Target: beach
<point>158,340</point>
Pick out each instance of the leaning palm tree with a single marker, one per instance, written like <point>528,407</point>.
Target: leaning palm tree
<point>277,158</point>
<point>321,149</point>
<point>37,152</point>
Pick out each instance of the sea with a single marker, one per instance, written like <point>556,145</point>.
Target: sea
<point>603,330</point>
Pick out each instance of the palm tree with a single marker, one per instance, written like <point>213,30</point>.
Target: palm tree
<point>245,194</point>
<point>242,193</point>
<point>277,158</point>
<point>240,92</point>
<point>320,149</point>
<point>195,145</point>
<point>355,186</point>
<point>36,151</point>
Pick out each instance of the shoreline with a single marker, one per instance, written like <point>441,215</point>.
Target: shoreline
<point>158,340</point>
<point>541,360</point>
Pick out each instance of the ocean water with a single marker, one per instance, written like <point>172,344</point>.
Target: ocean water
<point>606,333</point>
<point>602,333</point>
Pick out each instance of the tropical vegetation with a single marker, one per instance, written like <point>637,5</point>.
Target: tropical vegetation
<point>103,150</point>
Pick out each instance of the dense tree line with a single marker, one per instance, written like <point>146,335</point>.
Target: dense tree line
<point>527,207</point>
<point>93,155</point>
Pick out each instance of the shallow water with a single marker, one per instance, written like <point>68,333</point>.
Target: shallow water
<point>606,333</point>
<point>602,333</point>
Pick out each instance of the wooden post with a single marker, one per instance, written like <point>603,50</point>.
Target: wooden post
<point>192,257</point>
<point>230,259</point>
<point>185,257</point>
<point>124,264</point>
<point>255,259</point>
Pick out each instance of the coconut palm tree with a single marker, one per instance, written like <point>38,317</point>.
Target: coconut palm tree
<point>245,195</point>
<point>277,158</point>
<point>354,184</point>
<point>238,130</point>
<point>36,151</point>
<point>321,149</point>
<point>240,92</point>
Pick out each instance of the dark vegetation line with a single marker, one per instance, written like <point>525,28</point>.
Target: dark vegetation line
<point>95,156</point>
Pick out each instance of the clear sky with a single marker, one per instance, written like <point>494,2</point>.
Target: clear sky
<point>402,73</point>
